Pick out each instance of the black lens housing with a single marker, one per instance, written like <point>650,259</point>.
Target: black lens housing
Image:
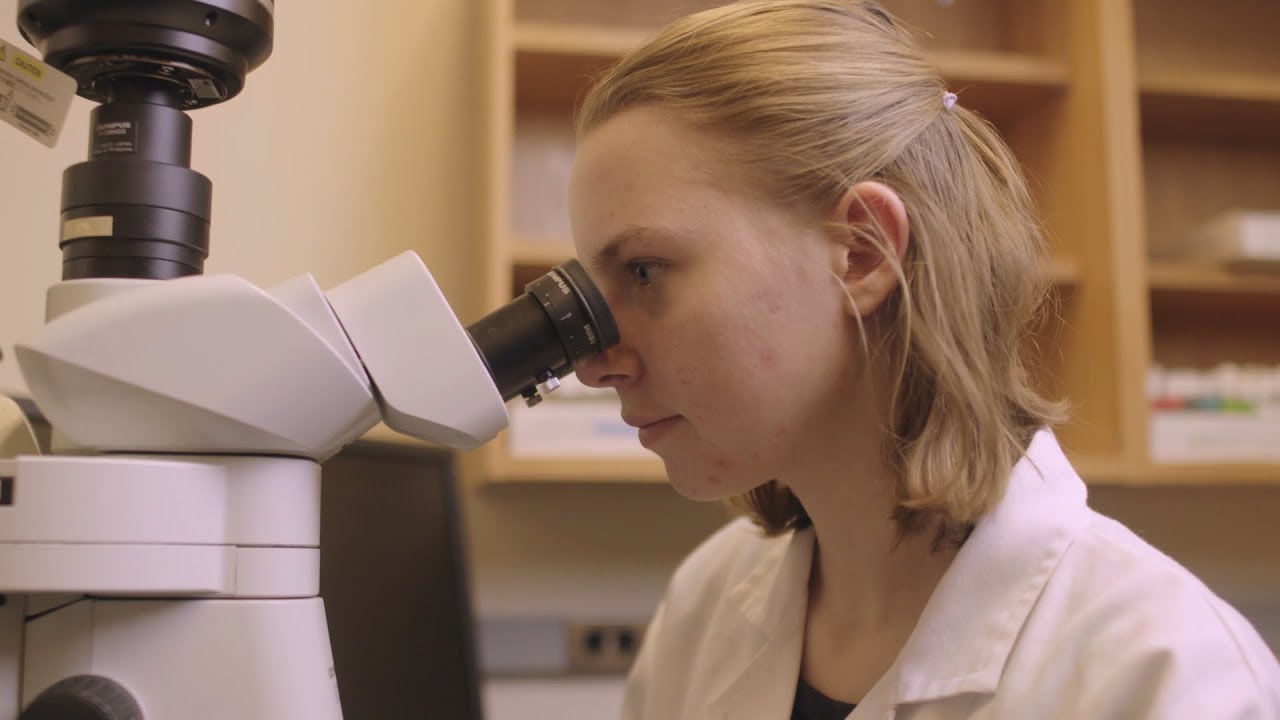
<point>135,208</point>
<point>199,49</point>
<point>561,318</point>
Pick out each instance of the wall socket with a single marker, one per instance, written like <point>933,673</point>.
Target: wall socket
<point>603,647</point>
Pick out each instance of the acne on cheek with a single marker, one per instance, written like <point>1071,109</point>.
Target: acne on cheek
<point>711,480</point>
<point>723,466</point>
<point>768,302</point>
<point>768,358</point>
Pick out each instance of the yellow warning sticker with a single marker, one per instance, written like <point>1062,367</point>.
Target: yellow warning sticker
<point>34,97</point>
<point>28,65</point>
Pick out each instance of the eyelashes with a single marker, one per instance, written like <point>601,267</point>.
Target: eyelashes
<point>644,273</point>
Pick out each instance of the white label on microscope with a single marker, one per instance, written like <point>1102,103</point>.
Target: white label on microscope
<point>34,97</point>
<point>95,226</point>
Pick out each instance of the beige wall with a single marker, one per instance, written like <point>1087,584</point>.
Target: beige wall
<point>359,139</point>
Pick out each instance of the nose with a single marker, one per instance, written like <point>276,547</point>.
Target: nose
<point>614,368</point>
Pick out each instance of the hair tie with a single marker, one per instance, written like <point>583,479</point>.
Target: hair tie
<point>948,99</point>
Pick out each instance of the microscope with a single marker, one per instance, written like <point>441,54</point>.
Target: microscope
<point>159,560</point>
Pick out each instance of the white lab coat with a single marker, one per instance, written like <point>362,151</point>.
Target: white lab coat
<point>1050,610</point>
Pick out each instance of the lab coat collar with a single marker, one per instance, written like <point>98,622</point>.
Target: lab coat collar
<point>967,630</point>
<point>966,633</point>
<point>772,602</point>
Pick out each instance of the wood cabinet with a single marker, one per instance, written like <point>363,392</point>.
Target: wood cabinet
<point>1130,117</point>
<point>1208,86</point>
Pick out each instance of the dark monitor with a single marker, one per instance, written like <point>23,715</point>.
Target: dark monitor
<point>393,575</point>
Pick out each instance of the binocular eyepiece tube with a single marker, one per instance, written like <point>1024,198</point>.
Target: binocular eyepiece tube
<point>533,341</point>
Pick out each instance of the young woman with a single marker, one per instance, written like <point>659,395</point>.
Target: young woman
<point>824,270</point>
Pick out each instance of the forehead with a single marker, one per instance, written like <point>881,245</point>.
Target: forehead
<point>644,167</point>
<point>648,137</point>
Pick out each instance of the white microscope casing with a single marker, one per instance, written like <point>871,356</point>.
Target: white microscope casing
<point>171,542</point>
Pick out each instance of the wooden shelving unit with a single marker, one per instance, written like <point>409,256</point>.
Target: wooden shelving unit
<point>1208,105</point>
<point>1111,110</point>
<point>556,61</point>
<point>1209,93</point>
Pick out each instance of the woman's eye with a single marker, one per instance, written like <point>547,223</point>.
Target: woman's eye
<point>644,272</point>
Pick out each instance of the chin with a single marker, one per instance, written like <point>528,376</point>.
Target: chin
<point>705,486</point>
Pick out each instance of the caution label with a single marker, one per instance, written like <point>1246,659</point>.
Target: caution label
<point>34,97</point>
<point>28,67</point>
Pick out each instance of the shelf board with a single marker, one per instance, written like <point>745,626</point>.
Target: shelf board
<point>540,253</point>
<point>505,469</point>
<point>555,63</point>
<point>1206,475</point>
<point>1204,278</point>
<point>577,39</point>
<point>1181,290</point>
<point>1096,471</point>
<point>383,436</point>
<point>1218,106</point>
<point>1102,471</point>
<point>1064,273</point>
<point>1000,84</point>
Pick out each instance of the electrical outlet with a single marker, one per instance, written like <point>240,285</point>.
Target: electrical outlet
<point>603,647</point>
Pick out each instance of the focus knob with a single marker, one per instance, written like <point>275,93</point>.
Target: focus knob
<point>83,697</point>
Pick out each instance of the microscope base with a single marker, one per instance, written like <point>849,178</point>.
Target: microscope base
<point>193,659</point>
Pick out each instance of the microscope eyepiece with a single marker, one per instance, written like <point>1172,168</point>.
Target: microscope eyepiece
<point>560,319</point>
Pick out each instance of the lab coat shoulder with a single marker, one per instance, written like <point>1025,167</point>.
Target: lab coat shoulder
<point>716,566</point>
<point>1123,631</point>
<point>696,623</point>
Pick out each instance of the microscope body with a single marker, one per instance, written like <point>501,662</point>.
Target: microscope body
<point>170,544</point>
<point>190,621</point>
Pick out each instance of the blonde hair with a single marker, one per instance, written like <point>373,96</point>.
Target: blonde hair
<point>816,96</point>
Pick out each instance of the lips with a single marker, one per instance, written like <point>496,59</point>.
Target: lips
<point>652,428</point>
<point>644,421</point>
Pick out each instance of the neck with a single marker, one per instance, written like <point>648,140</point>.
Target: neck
<point>868,586</point>
<point>864,584</point>
<point>865,578</point>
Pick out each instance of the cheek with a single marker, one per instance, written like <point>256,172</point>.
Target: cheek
<point>751,377</point>
<point>767,358</point>
<point>734,361</point>
<point>723,365</point>
<point>769,303</point>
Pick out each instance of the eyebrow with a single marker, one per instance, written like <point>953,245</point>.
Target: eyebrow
<point>608,254</point>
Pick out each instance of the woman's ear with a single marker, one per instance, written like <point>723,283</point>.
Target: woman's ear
<point>861,262</point>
